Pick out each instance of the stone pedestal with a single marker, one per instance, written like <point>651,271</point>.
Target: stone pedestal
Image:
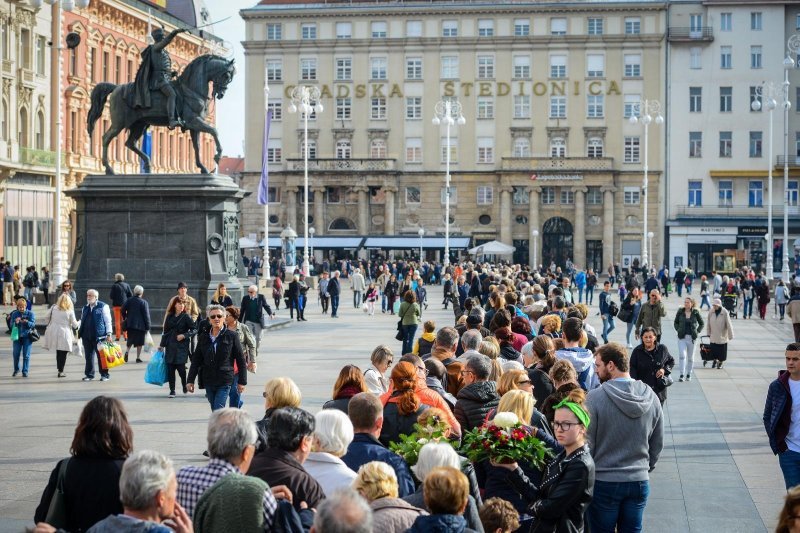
<point>157,230</point>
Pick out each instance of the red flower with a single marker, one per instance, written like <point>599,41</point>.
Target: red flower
<point>518,434</point>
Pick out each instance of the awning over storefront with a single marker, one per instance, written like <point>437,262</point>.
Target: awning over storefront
<point>345,242</point>
<point>408,242</point>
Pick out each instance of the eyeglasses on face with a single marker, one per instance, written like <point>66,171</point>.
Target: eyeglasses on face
<point>214,317</point>
<point>423,370</point>
<point>525,382</point>
<point>464,372</point>
<point>564,426</point>
<point>389,362</point>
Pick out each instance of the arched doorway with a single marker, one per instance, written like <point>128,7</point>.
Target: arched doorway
<point>556,242</point>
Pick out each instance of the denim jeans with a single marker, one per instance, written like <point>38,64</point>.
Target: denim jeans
<point>235,398</point>
<point>357,295</point>
<point>630,327</point>
<point>590,294</point>
<point>408,338</point>
<point>689,289</point>
<point>608,326</point>
<point>383,302</point>
<point>790,465</point>
<point>704,301</point>
<point>748,308</point>
<point>782,309</point>
<point>679,288</point>
<point>618,506</point>
<point>580,295</point>
<point>334,304</point>
<point>217,396</point>
<point>22,347</point>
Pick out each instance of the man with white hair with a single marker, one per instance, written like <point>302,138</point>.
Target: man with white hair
<point>344,510</point>
<point>252,312</point>
<point>95,327</point>
<point>358,285</point>
<point>471,341</point>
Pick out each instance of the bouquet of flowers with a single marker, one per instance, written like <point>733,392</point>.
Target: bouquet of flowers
<point>504,440</point>
<point>409,445</point>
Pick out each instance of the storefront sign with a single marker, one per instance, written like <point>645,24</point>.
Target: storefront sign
<point>704,230</point>
<point>711,239</point>
<point>752,231</point>
<point>557,177</point>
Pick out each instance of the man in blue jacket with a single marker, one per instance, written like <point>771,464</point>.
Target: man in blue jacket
<point>95,327</point>
<point>780,413</point>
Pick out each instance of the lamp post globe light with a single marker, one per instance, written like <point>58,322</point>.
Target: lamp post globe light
<point>447,112</point>
<point>421,233</point>
<point>535,235</point>
<point>306,100</point>
<point>645,113</point>
<point>792,48</point>
<point>58,5</point>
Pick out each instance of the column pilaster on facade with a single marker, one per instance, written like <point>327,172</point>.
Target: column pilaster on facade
<point>579,251</point>
<point>390,192</point>
<point>608,225</point>
<point>291,205</point>
<point>505,214</point>
<point>363,209</point>
<point>534,193</point>
<point>319,211</point>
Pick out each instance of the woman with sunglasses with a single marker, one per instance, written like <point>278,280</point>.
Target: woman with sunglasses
<point>560,501</point>
<point>68,289</point>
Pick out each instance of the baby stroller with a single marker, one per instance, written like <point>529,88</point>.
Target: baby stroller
<point>730,301</point>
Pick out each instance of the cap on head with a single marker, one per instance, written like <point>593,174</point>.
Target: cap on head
<point>717,301</point>
<point>182,285</point>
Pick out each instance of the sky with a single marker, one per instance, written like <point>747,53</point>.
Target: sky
<point>230,110</point>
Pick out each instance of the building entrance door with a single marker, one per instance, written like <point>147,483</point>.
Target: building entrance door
<point>594,255</point>
<point>557,242</point>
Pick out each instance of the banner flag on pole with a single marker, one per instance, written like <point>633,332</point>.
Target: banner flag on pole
<point>263,185</point>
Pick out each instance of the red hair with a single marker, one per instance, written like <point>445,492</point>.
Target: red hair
<point>404,379</point>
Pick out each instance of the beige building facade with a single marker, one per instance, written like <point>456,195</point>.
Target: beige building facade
<point>545,89</point>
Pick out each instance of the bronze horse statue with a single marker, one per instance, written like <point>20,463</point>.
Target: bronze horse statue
<point>192,91</point>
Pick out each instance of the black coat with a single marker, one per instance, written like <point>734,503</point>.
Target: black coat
<point>542,385</point>
<point>217,367</point>
<point>474,403</point>
<point>177,352</point>
<point>136,313</point>
<point>644,365</point>
<point>395,424</point>
<point>120,292</point>
<point>334,287</point>
<point>262,306</point>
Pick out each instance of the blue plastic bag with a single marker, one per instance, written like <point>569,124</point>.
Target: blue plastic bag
<point>156,372</point>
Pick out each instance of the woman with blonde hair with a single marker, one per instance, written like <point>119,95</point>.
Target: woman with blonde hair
<point>491,349</point>
<point>221,296</point>
<point>375,376</point>
<point>278,392</point>
<point>377,483</point>
<point>59,335</point>
<point>513,380</point>
<point>550,325</point>
<point>402,408</point>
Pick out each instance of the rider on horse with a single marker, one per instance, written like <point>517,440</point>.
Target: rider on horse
<point>155,73</point>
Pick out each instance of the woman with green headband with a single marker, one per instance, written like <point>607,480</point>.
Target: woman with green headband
<point>560,501</point>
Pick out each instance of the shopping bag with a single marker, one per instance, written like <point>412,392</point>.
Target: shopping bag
<point>156,372</point>
<point>110,355</point>
<point>396,306</point>
<point>149,344</point>
<point>14,333</point>
<point>77,347</point>
<point>365,308</point>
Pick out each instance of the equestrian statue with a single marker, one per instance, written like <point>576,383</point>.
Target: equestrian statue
<point>161,97</point>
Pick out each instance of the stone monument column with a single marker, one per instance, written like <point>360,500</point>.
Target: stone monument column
<point>579,250</point>
<point>291,205</point>
<point>319,211</point>
<point>505,214</point>
<point>363,210</point>
<point>388,209</point>
<point>608,226</point>
<point>533,223</point>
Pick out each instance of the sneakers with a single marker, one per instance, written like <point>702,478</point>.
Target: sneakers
<point>87,378</point>
<point>105,378</point>
<point>62,375</point>
<point>630,345</point>
<point>24,375</point>
<point>688,377</point>
<point>15,374</point>
<point>172,394</point>
<point>680,379</point>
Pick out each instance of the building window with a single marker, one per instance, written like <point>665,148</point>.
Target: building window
<point>274,70</point>
<point>558,66</point>
<point>486,150</point>
<point>413,195</point>
<point>72,64</point>
<point>695,61</point>
<point>522,67</point>
<point>522,147</point>
<point>378,108</point>
<point>485,195</point>
<point>106,66</point>
<point>274,32</point>
<point>273,196</point>
<point>522,27</point>
<point>595,66</point>
<point>344,30</point>
<point>633,25</point>
<point>453,195</point>
<point>595,26</point>
<point>449,28</point>
<point>755,144</point>
<point>485,28</point>
<point>485,67</point>
<point>633,65</point>
<point>413,150</point>
<point>520,196</point>
<point>312,148</point>
<point>595,106</point>
<point>38,131</point>
<point>594,196</point>
<point>725,60</point>
<point>377,68</point>
<point>631,150</point>
<point>594,147</point>
<point>485,107</point>
<point>413,108</point>
<point>344,149</point>
<point>548,195</point>
<point>308,31</point>
<point>450,67</point>
<point>277,110</point>
<point>567,196</point>
<point>631,103</point>
<point>755,21</point>
<point>726,99</point>
<point>558,107</point>
<point>558,26</point>
<point>632,195</point>
<point>725,21</point>
<point>791,194</point>
<point>695,193</point>
<point>695,144</point>
<point>414,28</point>
<point>558,147</point>
<point>414,68</point>
<point>453,149</point>
<point>344,108</point>
<point>344,68</point>
<point>726,144</point>
<point>726,193</point>
<point>755,194</point>
<point>695,99</point>
<point>308,69</point>
<point>755,57</point>
<point>377,149</point>
<point>274,151</point>
<point>41,50</point>
<point>522,106</point>
<point>379,30</point>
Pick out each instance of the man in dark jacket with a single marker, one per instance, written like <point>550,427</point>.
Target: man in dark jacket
<point>289,439</point>
<point>334,290</point>
<point>252,312</point>
<point>217,349</point>
<point>95,327</point>
<point>120,292</point>
<point>366,414</point>
<point>479,395</point>
<point>784,435</point>
<point>444,350</point>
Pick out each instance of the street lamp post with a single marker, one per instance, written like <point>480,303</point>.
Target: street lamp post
<point>792,48</point>
<point>645,113</point>
<point>535,234</point>
<point>306,99</point>
<point>67,5</point>
<point>449,113</point>
<point>421,233</point>
<point>650,236</point>
<point>312,231</point>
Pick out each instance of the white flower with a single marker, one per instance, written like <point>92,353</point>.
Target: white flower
<point>422,441</point>
<point>505,420</point>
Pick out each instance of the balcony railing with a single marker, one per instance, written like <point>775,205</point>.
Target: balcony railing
<point>688,34</point>
<point>794,160</point>
<point>558,164</point>
<point>739,211</point>
<point>342,165</point>
<point>39,158</point>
